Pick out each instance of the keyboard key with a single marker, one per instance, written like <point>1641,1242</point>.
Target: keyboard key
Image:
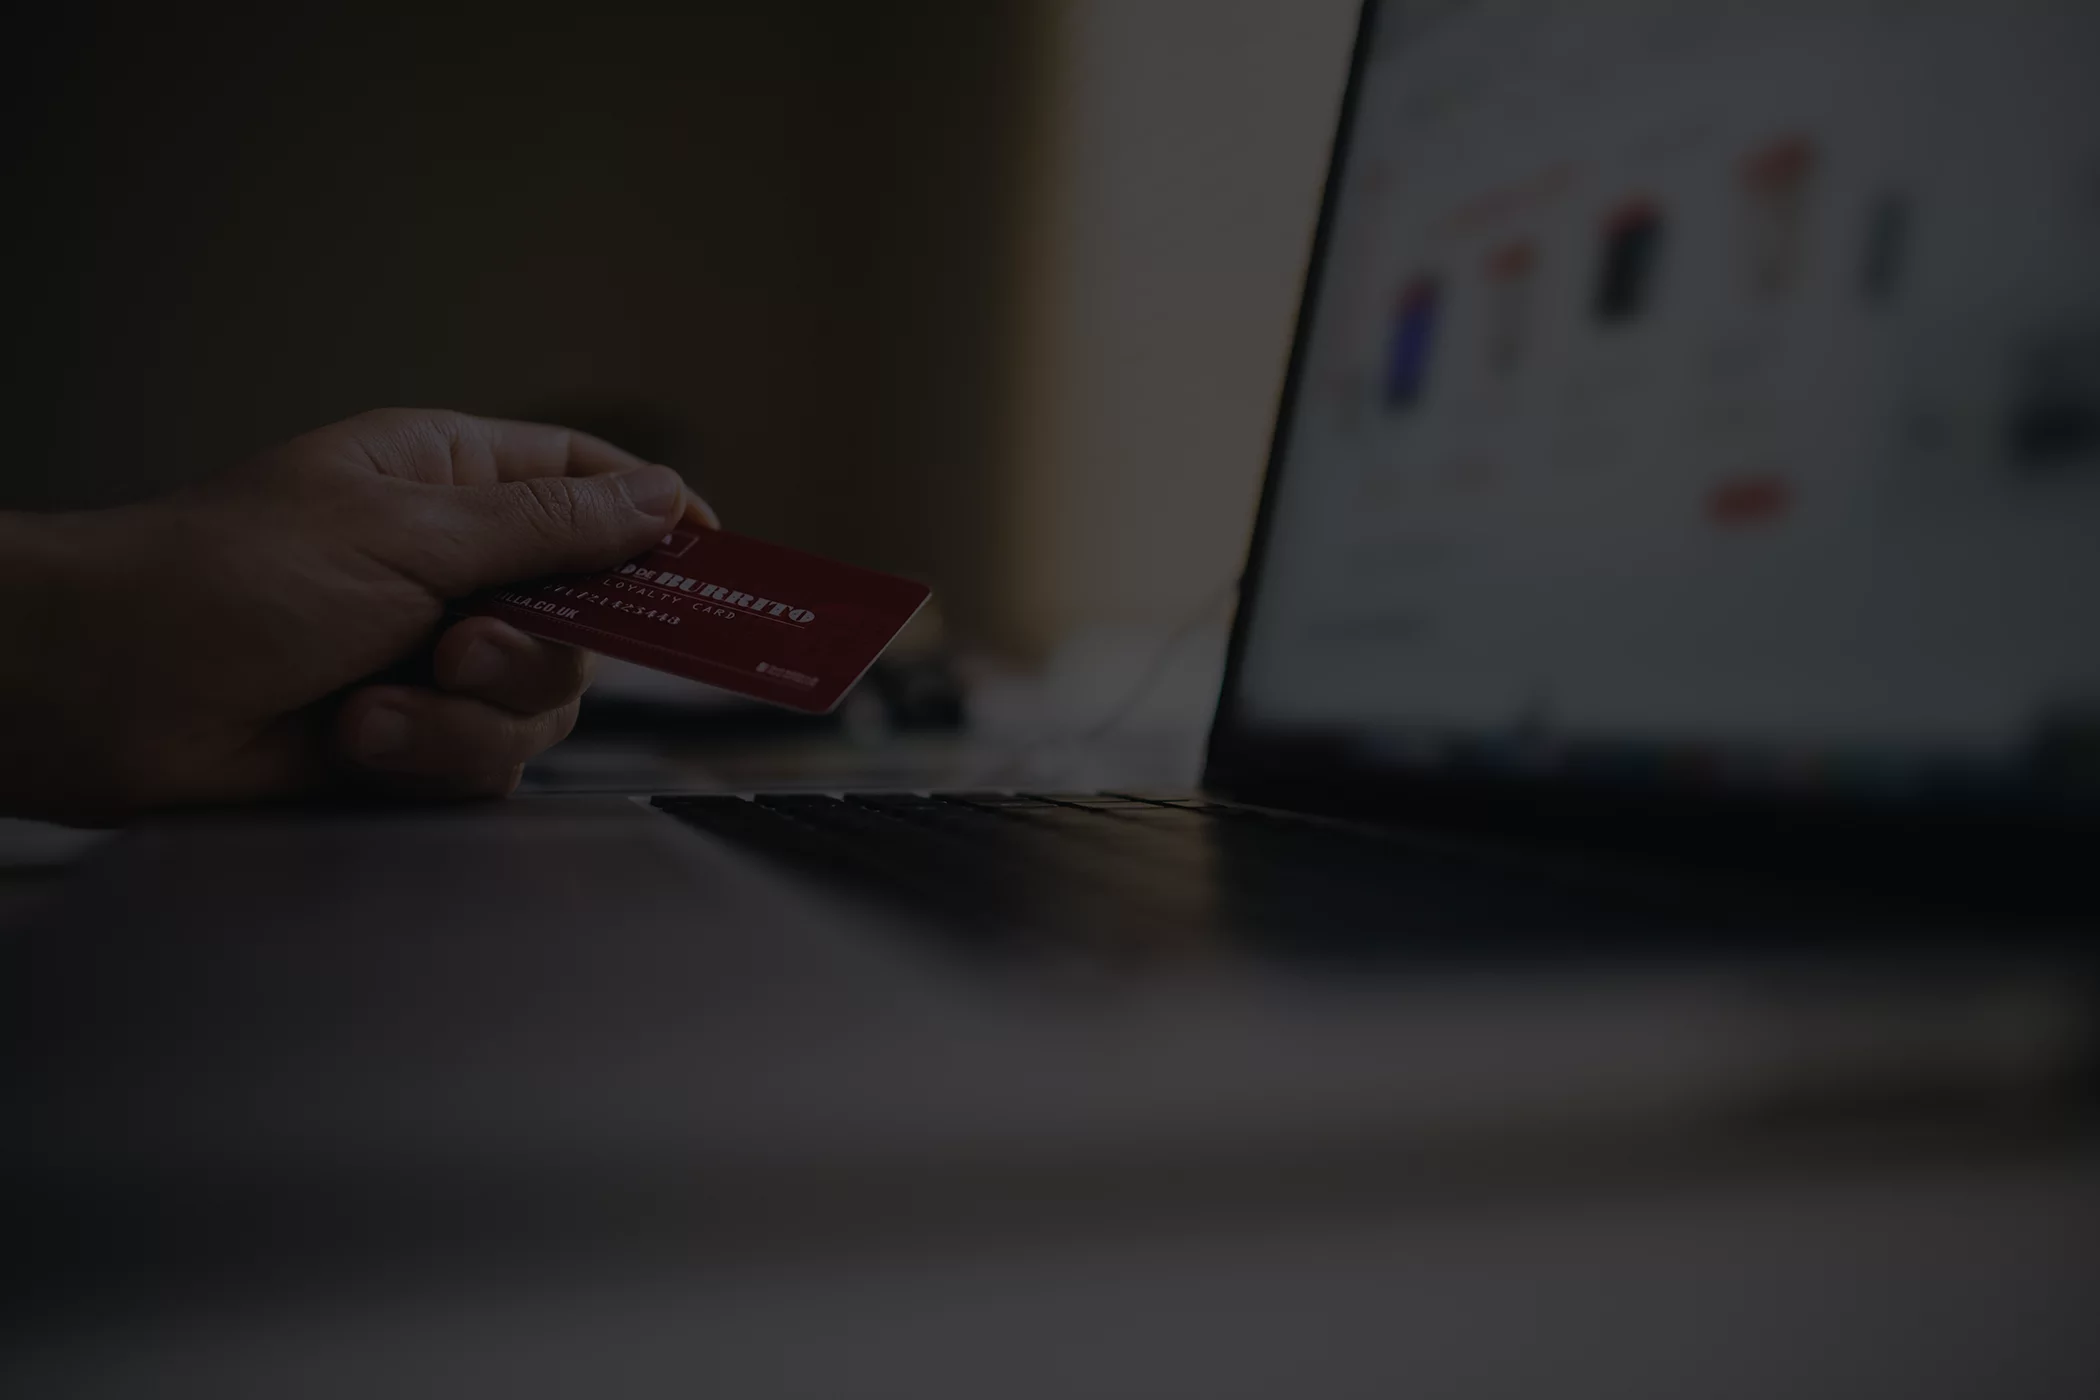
<point>1135,878</point>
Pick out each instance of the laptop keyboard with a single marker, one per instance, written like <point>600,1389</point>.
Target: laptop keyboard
<point>1144,876</point>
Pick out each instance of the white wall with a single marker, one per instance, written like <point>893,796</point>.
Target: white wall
<point>1185,143</point>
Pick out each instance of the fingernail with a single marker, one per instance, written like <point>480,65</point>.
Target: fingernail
<point>707,512</point>
<point>380,733</point>
<point>481,665</point>
<point>655,491</point>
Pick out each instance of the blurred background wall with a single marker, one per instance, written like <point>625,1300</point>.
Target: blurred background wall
<point>1179,172</point>
<point>997,295</point>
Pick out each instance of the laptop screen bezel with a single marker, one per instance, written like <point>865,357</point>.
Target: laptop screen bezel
<point>1329,776</point>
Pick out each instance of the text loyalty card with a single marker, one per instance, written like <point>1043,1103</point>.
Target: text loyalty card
<point>751,617</point>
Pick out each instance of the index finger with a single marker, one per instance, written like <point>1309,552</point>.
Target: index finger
<point>519,450</point>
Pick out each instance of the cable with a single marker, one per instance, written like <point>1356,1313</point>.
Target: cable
<point>1150,678</point>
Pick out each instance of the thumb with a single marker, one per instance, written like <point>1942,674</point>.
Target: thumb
<point>480,536</point>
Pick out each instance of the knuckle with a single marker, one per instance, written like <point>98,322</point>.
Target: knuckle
<point>440,423</point>
<point>385,419</point>
<point>551,505</point>
<point>412,443</point>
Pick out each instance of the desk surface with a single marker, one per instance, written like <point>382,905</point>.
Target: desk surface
<point>1954,1277</point>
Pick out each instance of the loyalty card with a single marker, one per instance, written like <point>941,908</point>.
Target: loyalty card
<point>755,618</point>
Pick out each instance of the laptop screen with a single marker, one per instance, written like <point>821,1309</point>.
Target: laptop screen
<point>1699,382</point>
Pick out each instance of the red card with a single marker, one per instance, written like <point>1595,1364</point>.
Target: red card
<point>755,618</point>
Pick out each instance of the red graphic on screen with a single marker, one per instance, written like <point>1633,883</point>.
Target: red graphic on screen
<point>1749,500</point>
<point>1776,180</point>
<point>1509,279</point>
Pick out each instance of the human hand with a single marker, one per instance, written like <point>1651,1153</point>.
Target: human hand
<point>279,630</point>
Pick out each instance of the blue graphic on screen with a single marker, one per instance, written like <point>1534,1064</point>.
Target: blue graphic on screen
<point>1413,339</point>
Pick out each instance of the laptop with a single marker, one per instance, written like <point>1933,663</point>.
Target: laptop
<point>1689,459</point>
<point>1664,695</point>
